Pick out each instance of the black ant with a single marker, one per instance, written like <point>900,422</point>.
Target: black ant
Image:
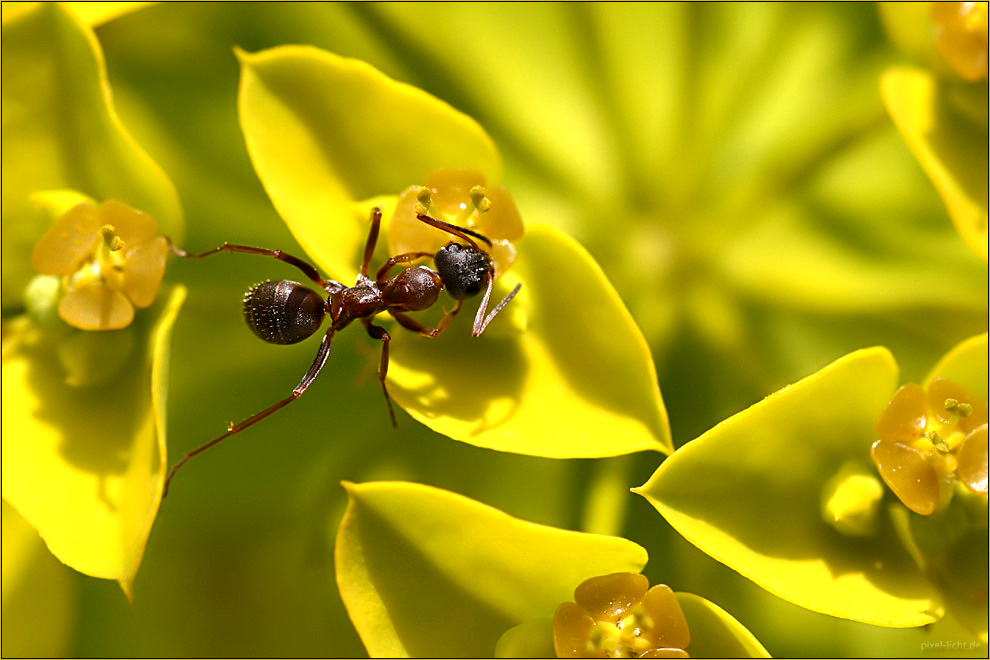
<point>286,312</point>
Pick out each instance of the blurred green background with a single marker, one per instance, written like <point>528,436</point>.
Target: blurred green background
<point>730,166</point>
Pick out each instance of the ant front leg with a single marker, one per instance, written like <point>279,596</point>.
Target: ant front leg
<point>412,324</point>
<point>307,380</point>
<point>377,332</point>
<point>369,246</point>
<point>307,269</point>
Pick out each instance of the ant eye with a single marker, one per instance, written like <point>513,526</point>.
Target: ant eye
<point>283,312</point>
<point>464,270</point>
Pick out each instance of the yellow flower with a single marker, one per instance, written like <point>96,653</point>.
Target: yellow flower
<point>617,616</point>
<point>458,196</point>
<point>109,259</point>
<point>929,441</point>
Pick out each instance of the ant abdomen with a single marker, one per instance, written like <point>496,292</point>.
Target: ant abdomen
<point>283,312</point>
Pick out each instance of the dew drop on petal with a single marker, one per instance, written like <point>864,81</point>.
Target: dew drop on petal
<point>909,475</point>
<point>972,457</point>
<point>67,242</point>
<point>571,629</point>
<point>96,306</point>
<point>670,627</point>
<point>144,269</point>
<point>905,417</point>
<point>608,597</point>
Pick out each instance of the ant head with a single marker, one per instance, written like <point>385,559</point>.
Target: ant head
<point>464,269</point>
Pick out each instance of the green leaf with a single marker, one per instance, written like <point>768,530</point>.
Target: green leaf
<point>425,572</point>
<point>950,147</point>
<point>85,465</point>
<point>748,493</point>
<point>60,131</point>
<point>330,137</point>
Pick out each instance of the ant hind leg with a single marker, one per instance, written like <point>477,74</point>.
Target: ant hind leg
<point>377,332</point>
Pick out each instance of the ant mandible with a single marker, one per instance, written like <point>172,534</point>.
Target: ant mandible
<point>286,312</point>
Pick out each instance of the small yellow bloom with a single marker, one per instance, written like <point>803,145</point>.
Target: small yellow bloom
<point>615,616</point>
<point>459,197</point>
<point>109,259</point>
<point>929,441</point>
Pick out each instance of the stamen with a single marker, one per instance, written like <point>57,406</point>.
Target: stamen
<point>479,199</point>
<point>110,238</point>
<point>938,443</point>
<point>958,408</point>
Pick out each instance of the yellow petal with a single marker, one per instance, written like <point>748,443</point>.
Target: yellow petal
<point>143,271</point>
<point>95,306</point>
<point>972,457</point>
<point>571,629</point>
<point>670,628</point>
<point>608,597</point>
<point>67,242</point>
<point>941,389</point>
<point>909,475</point>
<point>132,226</point>
<point>905,417</point>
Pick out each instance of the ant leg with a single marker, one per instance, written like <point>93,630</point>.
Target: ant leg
<point>382,275</point>
<point>314,370</point>
<point>369,247</point>
<point>410,323</point>
<point>380,333</point>
<point>306,268</point>
<point>480,320</point>
<point>460,232</point>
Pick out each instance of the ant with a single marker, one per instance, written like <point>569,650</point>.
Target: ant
<point>286,312</point>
